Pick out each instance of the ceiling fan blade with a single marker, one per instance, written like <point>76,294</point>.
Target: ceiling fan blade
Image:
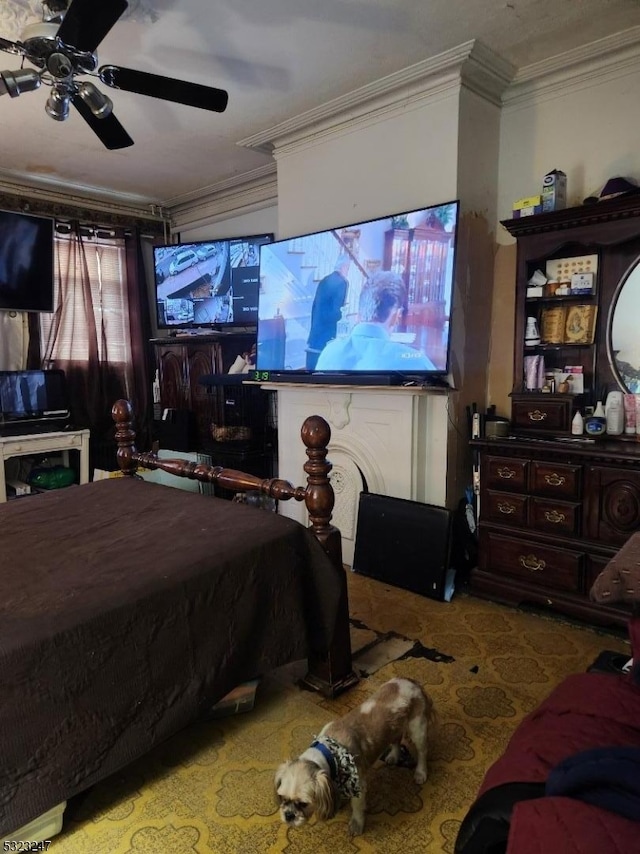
<point>109,130</point>
<point>87,22</point>
<point>166,88</point>
<point>12,47</point>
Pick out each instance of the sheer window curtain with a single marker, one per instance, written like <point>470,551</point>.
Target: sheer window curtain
<point>100,329</point>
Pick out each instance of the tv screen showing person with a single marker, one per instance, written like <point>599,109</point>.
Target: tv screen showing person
<point>370,346</point>
<point>329,298</point>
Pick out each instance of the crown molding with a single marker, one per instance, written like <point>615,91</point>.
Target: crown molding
<point>15,183</point>
<point>234,196</point>
<point>606,59</point>
<point>471,64</point>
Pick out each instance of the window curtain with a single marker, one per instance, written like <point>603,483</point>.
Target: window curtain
<point>100,329</point>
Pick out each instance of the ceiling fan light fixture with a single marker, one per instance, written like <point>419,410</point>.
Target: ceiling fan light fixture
<point>57,106</point>
<point>99,104</point>
<point>15,83</point>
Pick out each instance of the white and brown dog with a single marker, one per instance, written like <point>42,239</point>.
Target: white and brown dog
<point>337,763</point>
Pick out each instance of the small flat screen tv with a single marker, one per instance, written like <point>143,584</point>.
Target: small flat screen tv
<point>210,284</point>
<point>26,262</point>
<point>33,394</point>
<point>369,298</point>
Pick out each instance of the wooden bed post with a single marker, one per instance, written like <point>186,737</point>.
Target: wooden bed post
<point>330,673</point>
<point>122,414</point>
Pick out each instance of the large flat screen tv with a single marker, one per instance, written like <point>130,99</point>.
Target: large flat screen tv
<point>210,284</point>
<point>370,298</point>
<point>26,262</point>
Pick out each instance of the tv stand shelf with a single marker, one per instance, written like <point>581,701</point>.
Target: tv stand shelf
<point>59,441</point>
<point>182,362</point>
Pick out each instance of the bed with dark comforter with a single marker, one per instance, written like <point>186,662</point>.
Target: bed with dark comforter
<point>128,609</point>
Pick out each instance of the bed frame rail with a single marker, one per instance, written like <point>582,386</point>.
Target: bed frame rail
<point>330,671</point>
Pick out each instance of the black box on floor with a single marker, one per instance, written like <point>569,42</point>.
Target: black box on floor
<point>405,543</point>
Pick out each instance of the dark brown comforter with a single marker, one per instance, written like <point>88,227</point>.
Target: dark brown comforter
<point>127,609</point>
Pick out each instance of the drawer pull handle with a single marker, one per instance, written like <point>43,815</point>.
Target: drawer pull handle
<point>536,415</point>
<point>505,508</point>
<point>506,474</point>
<point>554,516</point>
<point>555,479</point>
<point>532,562</point>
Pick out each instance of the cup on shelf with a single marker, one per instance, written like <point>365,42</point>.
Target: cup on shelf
<point>532,333</point>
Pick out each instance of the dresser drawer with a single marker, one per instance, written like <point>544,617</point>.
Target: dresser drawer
<point>544,565</point>
<point>504,508</point>
<point>541,413</point>
<point>555,517</point>
<point>505,473</point>
<point>560,481</point>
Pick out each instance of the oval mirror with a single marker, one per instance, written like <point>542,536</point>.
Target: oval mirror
<point>624,340</point>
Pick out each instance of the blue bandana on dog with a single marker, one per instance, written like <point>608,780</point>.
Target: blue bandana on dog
<point>342,764</point>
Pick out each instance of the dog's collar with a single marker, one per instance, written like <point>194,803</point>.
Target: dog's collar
<point>328,755</point>
<point>342,765</point>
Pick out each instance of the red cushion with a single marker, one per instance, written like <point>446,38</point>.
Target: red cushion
<point>568,826</point>
<point>586,710</point>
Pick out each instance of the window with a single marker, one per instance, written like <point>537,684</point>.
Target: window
<point>104,299</point>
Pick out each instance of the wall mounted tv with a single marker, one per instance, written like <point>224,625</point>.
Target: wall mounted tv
<point>372,298</point>
<point>209,284</point>
<point>26,262</point>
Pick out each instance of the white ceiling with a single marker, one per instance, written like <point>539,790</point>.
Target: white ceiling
<point>276,58</point>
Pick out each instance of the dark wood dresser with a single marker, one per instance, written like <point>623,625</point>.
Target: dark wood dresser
<point>551,515</point>
<point>553,510</point>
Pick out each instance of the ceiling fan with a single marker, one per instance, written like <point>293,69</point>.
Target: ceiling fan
<point>62,47</point>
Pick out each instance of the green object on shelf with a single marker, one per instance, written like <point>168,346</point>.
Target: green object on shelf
<point>52,477</point>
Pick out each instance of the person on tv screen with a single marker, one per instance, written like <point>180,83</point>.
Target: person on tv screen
<point>329,298</point>
<point>369,347</point>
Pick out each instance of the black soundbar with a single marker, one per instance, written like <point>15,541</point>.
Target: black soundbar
<point>319,378</point>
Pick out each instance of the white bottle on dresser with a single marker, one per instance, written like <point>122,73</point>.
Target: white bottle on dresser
<point>615,413</point>
<point>577,425</point>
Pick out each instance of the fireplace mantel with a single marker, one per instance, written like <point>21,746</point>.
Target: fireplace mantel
<point>385,440</point>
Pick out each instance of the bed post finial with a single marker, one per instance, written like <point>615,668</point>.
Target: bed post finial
<point>319,497</point>
<point>122,414</point>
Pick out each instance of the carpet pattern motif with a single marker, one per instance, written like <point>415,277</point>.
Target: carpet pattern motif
<point>209,790</point>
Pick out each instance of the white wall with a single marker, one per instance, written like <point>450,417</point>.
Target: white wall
<point>588,127</point>
<point>371,169</point>
<point>256,222</point>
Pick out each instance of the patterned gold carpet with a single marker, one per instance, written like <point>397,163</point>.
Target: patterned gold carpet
<point>210,789</point>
